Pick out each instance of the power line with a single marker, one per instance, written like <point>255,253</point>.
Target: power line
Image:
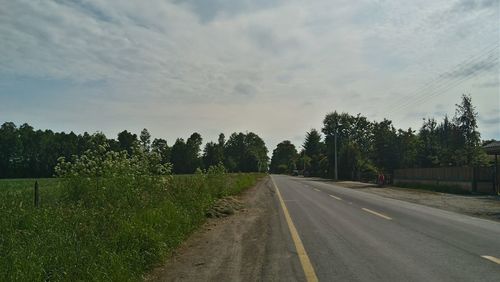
<point>442,78</point>
<point>443,88</point>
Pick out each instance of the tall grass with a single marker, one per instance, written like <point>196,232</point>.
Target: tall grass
<point>106,236</point>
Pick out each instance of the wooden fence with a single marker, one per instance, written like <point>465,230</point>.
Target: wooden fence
<point>472,179</point>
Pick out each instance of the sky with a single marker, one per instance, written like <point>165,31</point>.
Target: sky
<point>272,67</point>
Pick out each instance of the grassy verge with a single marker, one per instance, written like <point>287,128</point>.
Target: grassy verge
<point>436,188</point>
<point>71,241</point>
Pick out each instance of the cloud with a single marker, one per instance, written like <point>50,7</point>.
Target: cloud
<point>208,10</point>
<point>491,121</point>
<point>245,89</point>
<point>275,67</point>
<point>468,5</point>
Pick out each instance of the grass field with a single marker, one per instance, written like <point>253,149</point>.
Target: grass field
<point>63,241</point>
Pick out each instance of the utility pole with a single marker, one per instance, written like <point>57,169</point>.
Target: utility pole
<point>336,171</point>
<point>304,161</point>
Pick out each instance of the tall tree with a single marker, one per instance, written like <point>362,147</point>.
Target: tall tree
<point>178,157</point>
<point>10,147</point>
<point>160,147</point>
<point>245,153</point>
<point>428,153</point>
<point>313,153</point>
<point>284,158</point>
<point>145,140</point>
<point>193,157</point>
<point>385,146</point>
<point>128,141</point>
<point>212,155</point>
<point>466,121</point>
<point>407,148</point>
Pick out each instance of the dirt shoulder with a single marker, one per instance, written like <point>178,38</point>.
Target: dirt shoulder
<point>250,244</point>
<point>483,206</point>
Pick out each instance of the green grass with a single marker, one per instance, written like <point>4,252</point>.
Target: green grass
<point>436,188</point>
<point>64,241</point>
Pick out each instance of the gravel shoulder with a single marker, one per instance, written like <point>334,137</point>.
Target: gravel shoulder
<point>483,206</point>
<point>251,243</point>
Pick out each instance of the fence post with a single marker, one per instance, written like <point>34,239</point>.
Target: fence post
<point>37,194</point>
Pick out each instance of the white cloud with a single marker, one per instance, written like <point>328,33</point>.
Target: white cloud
<point>274,67</point>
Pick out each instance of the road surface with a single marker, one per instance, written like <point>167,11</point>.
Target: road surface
<point>347,235</point>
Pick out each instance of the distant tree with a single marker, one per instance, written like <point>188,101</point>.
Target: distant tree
<point>185,156</point>
<point>234,152</point>
<point>466,121</point>
<point>284,158</point>
<point>256,158</point>
<point>314,150</point>
<point>160,147</point>
<point>193,144</point>
<point>385,154</point>
<point>178,157</point>
<point>428,152</point>
<point>312,144</point>
<point>10,147</point>
<point>29,151</point>
<point>145,140</point>
<point>222,140</point>
<point>211,155</point>
<point>354,144</point>
<point>245,153</point>
<point>450,143</point>
<point>407,148</point>
<point>128,141</point>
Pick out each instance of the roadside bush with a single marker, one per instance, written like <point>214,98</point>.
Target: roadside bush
<point>101,177</point>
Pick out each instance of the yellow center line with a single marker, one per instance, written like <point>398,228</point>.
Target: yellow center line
<point>301,251</point>
<point>317,190</point>
<point>335,197</point>
<point>376,213</point>
<point>493,259</point>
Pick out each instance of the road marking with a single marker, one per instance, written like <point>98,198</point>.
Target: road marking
<point>301,251</point>
<point>335,197</point>
<point>317,190</point>
<point>376,213</point>
<point>493,259</point>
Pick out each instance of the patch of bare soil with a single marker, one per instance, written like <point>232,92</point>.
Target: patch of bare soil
<point>242,240</point>
<point>483,206</point>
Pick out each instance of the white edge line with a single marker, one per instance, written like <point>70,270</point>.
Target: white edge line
<point>376,213</point>
<point>335,197</point>
<point>491,258</point>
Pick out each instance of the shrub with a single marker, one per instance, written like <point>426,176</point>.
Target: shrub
<point>101,177</point>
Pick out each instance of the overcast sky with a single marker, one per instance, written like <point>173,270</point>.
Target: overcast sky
<point>268,66</point>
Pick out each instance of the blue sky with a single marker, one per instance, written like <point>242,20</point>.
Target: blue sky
<point>272,67</point>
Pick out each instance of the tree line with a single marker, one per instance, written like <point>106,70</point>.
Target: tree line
<point>366,148</point>
<point>26,152</point>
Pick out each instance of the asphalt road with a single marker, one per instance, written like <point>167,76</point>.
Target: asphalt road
<point>349,235</point>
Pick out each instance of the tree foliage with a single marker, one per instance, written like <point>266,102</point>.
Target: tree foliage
<point>26,152</point>
<point>245,153</point>
<point>365,148</point>
<point>284,158</point>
